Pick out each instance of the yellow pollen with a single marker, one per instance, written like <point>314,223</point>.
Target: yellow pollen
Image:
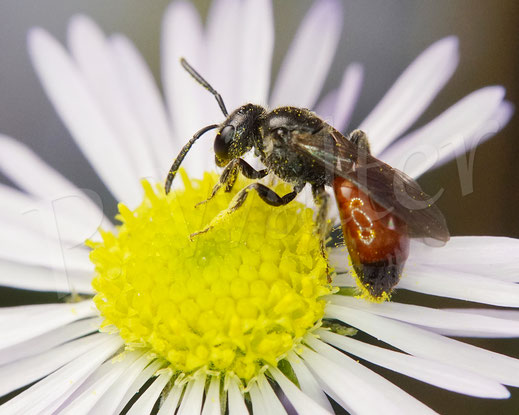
<point>235,298</point>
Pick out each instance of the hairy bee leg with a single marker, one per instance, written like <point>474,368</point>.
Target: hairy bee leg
<point>230,174</point>
<point>322,199</point>
<point>268,195</point>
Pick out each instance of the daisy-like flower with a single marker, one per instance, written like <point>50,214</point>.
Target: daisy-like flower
<point>221,323</point>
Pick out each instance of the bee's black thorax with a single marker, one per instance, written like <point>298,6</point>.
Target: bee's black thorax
<point>274,148</point>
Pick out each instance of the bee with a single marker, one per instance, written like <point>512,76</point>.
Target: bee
<point>380,207</point>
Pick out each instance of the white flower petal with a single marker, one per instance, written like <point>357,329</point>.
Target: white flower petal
<point>170,404</point>
<point>37,278</point>
<point>457,284</point>
<point>270,400</point>
<point>236,401</point>
<point>412,92</point>
<point>358,389</point>
<point>325,108</point>
<point>212,398</point>
<point>434,373</point>
<point>21,372</point>
<point>189,104</point>
<point>22,246</point>
<point>192,400</point>
<point>432,346</point>
<point>495,257</point>
<point>89,393</point>
<point>511,315</point>
<point>308,383</point>
<point>301,402</point>
<point>258,30</point>
<point>147,400</point>
<point>48,186</point>
<point>146,101</point>
<point>306,64</point>
<point>258,404</point>
<point>72,99</point>
<point>25,322</point>
<point>49,340</point>
<point>109,402</point>
<point>45,219</point>
<point>97,64</point>
<point>348,94</point>
<point>140,380</point>
<point>449,135</point>
<point>223,62</point>
<point>49,394</point>
<point>430,317</point>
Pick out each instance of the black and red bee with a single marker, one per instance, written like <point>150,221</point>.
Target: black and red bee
<point>380,207</point>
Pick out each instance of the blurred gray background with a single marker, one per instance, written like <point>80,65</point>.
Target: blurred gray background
<point>384,35</point>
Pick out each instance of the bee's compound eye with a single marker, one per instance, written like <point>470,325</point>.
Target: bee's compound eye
<point>223,142</point>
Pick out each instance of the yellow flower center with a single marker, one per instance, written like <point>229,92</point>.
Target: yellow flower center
<point>230,300</point>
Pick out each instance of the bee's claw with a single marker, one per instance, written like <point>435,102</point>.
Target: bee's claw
<point>195,234</point>
<point>203,202</point>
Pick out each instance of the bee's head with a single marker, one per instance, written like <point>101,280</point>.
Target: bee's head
<point>236,135</point>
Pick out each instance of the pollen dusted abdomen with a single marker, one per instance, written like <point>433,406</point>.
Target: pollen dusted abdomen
<point>377,240</point>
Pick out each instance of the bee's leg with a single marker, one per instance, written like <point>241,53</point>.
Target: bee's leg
<point>268,195</point>
<point>230,174</point>
<point>322,199</point>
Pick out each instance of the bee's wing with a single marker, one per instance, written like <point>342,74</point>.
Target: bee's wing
<point>389,187</point>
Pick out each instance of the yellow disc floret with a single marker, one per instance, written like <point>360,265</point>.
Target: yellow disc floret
<point>230,300</point>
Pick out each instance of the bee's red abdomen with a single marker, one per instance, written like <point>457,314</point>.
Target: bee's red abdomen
<point>377,240</point>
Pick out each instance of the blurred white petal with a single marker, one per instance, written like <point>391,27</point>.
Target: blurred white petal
<point>44,183</point>
<point>189,104</point>
<point>146,100</point>
<point>38,278</point>
<point>257,45</point>
<point>412,92</point>
<point>308,60</point>
<point>77,107</point>
<point>453,132</point>
<point>97,63</point>
<point>348,94</point>
<point>224,28</point>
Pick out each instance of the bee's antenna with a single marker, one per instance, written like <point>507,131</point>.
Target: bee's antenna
<point>205,84</point>
<point>176,164</point>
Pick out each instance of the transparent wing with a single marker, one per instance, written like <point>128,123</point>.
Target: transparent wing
<point>389,187</point>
